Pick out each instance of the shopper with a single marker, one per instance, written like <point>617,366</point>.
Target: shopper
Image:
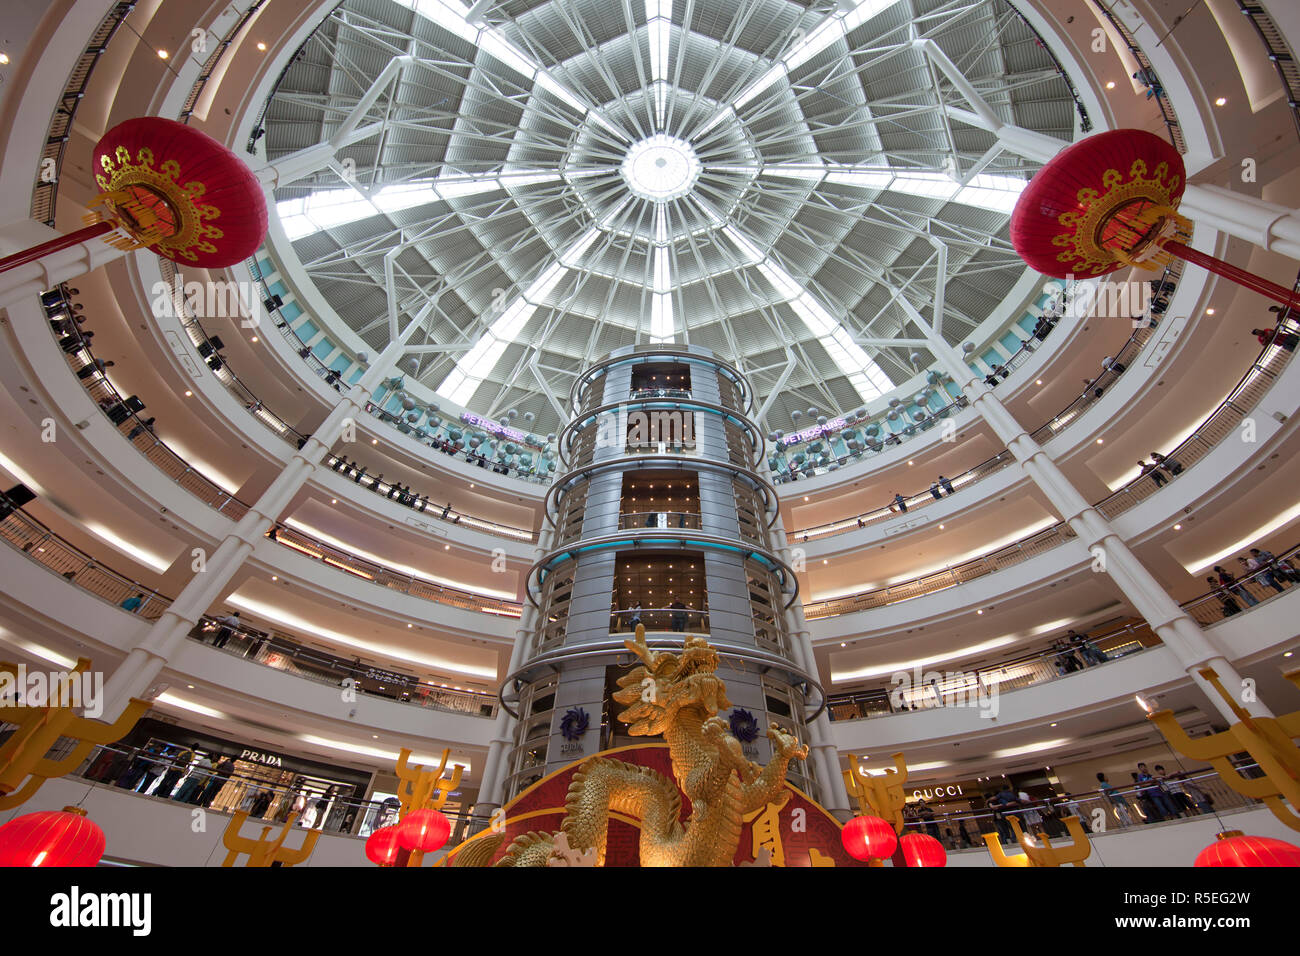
<point>1148,469</point>
<point>1278,337</point>
<point>99,366</point>
<point>1156,794</point>
<point>1230,582</point>
<point>1228,605</point>
<point>1168,464</point>
<point>1117,801</point>
<point>1263,568</point>
<point>934,491</point>
<point>900,502</point>
<point>220,774</point>
<point>945,484</point>
<point>227,626</point>
<point>180,764</point>
<point>140,429</point>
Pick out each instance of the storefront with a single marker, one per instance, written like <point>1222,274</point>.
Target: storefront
<point>166,760</point>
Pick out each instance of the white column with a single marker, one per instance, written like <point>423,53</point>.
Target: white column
<point>33,278</point>
<point>142,665</point>
<point>1179,632</point>
<point>821,745</point>
<point>491,792</point>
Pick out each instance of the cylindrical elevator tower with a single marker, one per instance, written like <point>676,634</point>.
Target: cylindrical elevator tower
<point>659,517</point>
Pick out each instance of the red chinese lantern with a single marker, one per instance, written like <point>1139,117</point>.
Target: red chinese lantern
<point>64,837</point>
<point>382,847</point>
<point>173,189</point>
<point>1110,201</point>
<point>867,838</point>
<point>1233,848</point>
<point>425,831</point>
<point>921,849</point>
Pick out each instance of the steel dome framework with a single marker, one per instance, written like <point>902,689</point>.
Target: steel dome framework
<point>760,177</point>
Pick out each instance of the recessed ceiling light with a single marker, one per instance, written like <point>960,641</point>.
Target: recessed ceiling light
<point>334,501</point>
<point>1287,654</point>
<point>190,686</point>
<point>409,626</point>
<point>1101,441</point>
<point>1110,85</point>
<point>1178,527</point>
<point>980,611</point>
<point>254,338</point>
<point>446,547</point>
<point>1209,312</point>
<point>1220,101</point>
<point>275,577</point>
<point>188,393</point>
<point>842,644</point>
<point>4,58</point>
<point>262,48</point>
<point>1053,724</point>
<point>374,441</point>
<point>940,527</point>
<point>824,561</point>
<point>911,463</point>
<point>162,54</point>
<point>1039,382</point>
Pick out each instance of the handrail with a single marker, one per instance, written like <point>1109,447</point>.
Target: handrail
<point>1128,805</point>
<point>1026,670</point>
<point>133,765</point>
<point>1157,91</point>
<point>1279,52</point>
<point>1086,399</point>
<point>201,81</point>
<point>273,649</point>
<point>45,193</point>
<point>175,466</point>
<point>1218,424</point>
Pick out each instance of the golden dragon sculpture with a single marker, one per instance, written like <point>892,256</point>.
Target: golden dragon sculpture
<point>679,697</point>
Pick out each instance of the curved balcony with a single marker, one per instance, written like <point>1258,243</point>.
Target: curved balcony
<point>170,463</point>
<point>1218,425</point>
<point>273,648</point>
<point>1025,670</point>
<point>1042,434</point>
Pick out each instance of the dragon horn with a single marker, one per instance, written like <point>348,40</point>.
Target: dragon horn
<point>637,645</point>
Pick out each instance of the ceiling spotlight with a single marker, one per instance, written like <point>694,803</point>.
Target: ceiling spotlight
<point>4,58</point>
<point>1220,101</point>
<point>1178,527</point>
<point>163,54</point>
<point>1101,441</point>
<point>1209,312</point>
<point>188,393</point>
<point>1039,382</point>
<point>262,48</point>
<point>1109,86</point>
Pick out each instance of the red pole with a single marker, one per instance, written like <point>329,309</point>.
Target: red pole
<point>54,245</point>
<point>1241,277</point>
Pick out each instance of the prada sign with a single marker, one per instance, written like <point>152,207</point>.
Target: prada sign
<point>256,756</point>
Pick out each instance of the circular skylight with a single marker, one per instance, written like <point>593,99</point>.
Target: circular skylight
<point>548,180</point>
<point>661,167</point>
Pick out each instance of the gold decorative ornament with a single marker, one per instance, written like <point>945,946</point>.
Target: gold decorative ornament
<point>263,851</point>
<point>879,796</point>
<point>1079,849</point>
<point>678,696</point>
<point>24,767</point>
<point>1267,739</point>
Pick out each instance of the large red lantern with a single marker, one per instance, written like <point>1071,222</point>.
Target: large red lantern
<point>921,849</point>
<point>1110,201</point>
<point>172,189</point>
<point>382,848</point>
<point>1233,848</point>
<point>424,831</point>
<point>64,837</point>
<point>868,838</point>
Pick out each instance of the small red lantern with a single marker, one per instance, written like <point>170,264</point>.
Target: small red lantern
<point>1233,848</point>
<point>867,838</point>
<point>64,837</point>
<point>382,847</point>
<point>921,849</point>
<point>423,831</point>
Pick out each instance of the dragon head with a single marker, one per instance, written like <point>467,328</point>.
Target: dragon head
<point>667,682</point>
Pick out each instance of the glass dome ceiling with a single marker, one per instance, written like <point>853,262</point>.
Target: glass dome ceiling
<point>760,177</point>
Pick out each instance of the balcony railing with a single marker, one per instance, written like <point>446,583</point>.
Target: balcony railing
<point>658,519</point>
<point>1218,425</point>
<point>1045,432</point>
<point>680,619</point>
<point>960,688</point>
<point>175,467</point>
<point>272,649</point>
<point>1185,795</point>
